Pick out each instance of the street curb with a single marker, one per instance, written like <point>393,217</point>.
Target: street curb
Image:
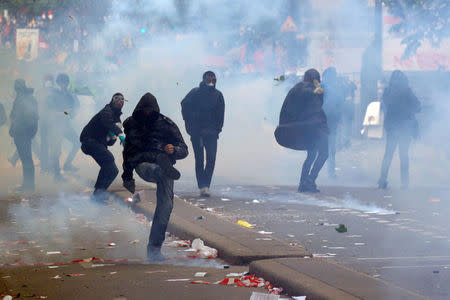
<point>236,245</point>
<point>324,280</point>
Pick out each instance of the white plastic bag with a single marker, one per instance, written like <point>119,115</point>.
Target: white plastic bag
<point>202,250</point>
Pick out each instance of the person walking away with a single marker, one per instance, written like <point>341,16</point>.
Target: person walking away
<point>63,108</point>
<point>303,126</point>
<point>153,143</point>
<point>333,105</point>
<point>102,131</point>
<point>203,111</point>
<point>24,125</point>
<point>400,106</point>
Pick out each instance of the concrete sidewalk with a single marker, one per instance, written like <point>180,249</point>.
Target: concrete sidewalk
<point>275,260</point>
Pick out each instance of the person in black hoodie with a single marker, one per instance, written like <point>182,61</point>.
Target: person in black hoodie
<point>153,143</point>
<point>24,125</point>
<point>400,106</point>
<point>203,111</point>
<point>303,126</point>
<point>102,131</point>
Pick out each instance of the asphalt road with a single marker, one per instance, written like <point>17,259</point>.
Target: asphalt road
<point>399,236</point>
<point>70,227</point>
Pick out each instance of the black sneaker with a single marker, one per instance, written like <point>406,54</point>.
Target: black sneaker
<point>164,162</point>
<point>100,197</point>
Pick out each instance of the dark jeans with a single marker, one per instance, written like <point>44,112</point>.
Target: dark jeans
<point>203,144</point>
<point>56,136</point>
<point>403,140</point>
<point>332,152</point>
<point>23,145</point>
<point>317,155</point>
<point>105,159</point>
<point>164,201</point>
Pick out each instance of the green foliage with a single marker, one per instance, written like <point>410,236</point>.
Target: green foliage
<point>420,20</point>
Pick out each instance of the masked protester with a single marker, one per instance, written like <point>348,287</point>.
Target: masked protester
<point>400,106</point>
<point>63,107</point>
<point>24,125</point>
<point>153,144</point>
<point>203,111</point>
<point>102,131</point>
<point>303,126</point>
<point>333,106</point>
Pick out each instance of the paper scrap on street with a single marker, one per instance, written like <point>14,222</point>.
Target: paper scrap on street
<point>299,297</point>
<point>53,252</point>
<point>265,232</point>
<point>200,274</point>
<point>262,296</point>
<point>180,279</point>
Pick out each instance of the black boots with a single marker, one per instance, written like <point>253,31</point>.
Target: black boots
<point>308,186</point>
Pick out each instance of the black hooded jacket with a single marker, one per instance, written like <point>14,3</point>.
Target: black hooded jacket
<point>24,115</point>
<point>302,118</point>
<point>147,133</point>
<point>100,126</point>
<point>400,104</point>
<point>203,110</point>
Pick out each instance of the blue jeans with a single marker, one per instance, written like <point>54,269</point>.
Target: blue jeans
<point>164,201</point>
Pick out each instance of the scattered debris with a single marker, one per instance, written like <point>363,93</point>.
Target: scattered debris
<point>53,267</point>
<point>246,281</point>
<point>226,266</point>
<point>53,252</point>
<point>225,199</point>
<point>299,297</point>
<point>324,255</point>
<point>111,244</point>
<point>175,280</point>
<point>290,235</point>
<point>66,113</point>
<point>202,250</point>
<point>157,271</point>
<point>134,242</point>
<point>265,232</point>
<point>245,224</point>
<point>435,199</point>
<point>200,217</point>
<point>359,244</point>
<point>179,244</point>
<point>56,277</point>
<point>261,296</point>
<point>237,274</point>
<point>256,201</point>
<point>200,274</point>
<point>280,79</point>
<point>112,273</point>
<point>7,297</point>
<point>341,228</point>
<point>263,239</point>
<point>75,275</point>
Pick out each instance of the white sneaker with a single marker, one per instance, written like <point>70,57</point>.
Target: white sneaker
<point>205,192</point>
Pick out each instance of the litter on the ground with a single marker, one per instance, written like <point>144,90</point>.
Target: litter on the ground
<point>200,274</point>
<point>180,243</point>
<point>341,228</point>
<point>262,296</point>
<point>202,250</point>
<point>324,255</point>
<point>263,239</point>
<point>53,267</point>
<point>245,224</point>
<point>237,274</point>
<point>360,244</point>
<point>134,242</point>
<point>175,280</point>
<point>53,252</point>
<point>256,201</point>
<point>112,273</point>
<point>56,277</point>
<point>290,235</point>
<point>246,281</point>
<point>76,275</point>
<point>265,232</point>
<point>225,199</point>
<point>299,297</point>
<point>111,244</point>
<point>7,297</point>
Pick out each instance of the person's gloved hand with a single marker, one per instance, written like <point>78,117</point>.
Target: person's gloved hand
<point>122,139</point>
<point>129,185</point>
